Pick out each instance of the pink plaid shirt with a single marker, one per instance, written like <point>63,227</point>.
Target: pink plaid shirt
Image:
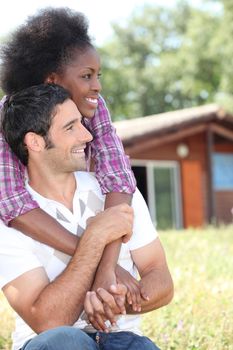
<point>112,167</point>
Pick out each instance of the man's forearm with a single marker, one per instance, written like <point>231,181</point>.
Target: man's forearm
<point>42,227</point>
<point>158,285</point>
<point>61,301</point>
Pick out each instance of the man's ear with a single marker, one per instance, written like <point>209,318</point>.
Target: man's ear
<point>34,142</point>
<point>51,78</point>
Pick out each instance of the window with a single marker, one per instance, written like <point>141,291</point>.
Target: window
<point>164,197</point>
<point>223,171</point>
<point>159,182</point>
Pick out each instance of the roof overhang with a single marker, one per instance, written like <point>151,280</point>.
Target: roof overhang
<point>144,133</point>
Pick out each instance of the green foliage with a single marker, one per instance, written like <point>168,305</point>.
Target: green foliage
<point>1,94</point>
<point>164,59</point>
<point>224,52</point>
<point>6,324</point>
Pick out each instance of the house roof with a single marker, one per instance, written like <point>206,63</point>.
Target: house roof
<point>171,122</point>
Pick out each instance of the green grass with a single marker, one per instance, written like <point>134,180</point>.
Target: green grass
<point>6,324</point>
<point>200,316</point>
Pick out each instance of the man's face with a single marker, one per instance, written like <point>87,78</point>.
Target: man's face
<point>68,138</point>
<point>81,79</point>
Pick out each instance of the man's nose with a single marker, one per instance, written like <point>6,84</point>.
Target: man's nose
<point>84,135</point>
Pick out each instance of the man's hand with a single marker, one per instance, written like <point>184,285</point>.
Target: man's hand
<point>105,280</point>
<point>135,294</point>
<point>100,306</point>
<point>113,223</point>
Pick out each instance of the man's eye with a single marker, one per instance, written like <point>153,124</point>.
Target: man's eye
<point>70,128</point>
<point>87,76</point>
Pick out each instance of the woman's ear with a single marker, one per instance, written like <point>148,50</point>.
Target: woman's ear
<point>34,142</point>
<point>51,78</point>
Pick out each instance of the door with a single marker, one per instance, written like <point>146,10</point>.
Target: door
<point>159,183</point>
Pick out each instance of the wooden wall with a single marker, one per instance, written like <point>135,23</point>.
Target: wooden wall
<point>224,199</point>
<point>194,178</point>
<point>193,175</point>
<point>224,206</point>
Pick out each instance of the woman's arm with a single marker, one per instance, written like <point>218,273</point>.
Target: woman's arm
<point>42,227</point>
<point>116,179</point>
<point>112,166</point>
<point>20,211</point>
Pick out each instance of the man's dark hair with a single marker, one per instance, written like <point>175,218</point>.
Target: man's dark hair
<point>46,43</point>
<point>31,109</point>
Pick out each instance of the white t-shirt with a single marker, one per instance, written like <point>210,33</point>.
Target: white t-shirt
<point>19,253</point>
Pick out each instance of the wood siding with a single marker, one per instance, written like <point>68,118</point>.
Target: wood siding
<point>194,176</point>
<point>224,206</point>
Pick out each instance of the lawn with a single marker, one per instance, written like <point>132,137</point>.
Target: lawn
<point>200,316</point>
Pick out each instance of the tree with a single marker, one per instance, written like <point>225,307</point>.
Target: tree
<point>223,47</point>
<point>168,58</point>
<point>133,83</point>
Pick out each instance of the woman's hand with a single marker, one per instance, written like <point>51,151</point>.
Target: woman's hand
<point>101,306</point>
<point>134,294</point>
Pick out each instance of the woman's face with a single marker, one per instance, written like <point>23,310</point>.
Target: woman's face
<point>81,78</point>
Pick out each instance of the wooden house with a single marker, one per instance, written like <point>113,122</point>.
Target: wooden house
<point>183,163</point>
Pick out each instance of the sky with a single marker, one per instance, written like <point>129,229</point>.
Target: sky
<point>99,13</point>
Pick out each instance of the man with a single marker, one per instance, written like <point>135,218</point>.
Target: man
<point>47,290</point>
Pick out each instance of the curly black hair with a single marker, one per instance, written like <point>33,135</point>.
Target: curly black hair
<point>46,43</point>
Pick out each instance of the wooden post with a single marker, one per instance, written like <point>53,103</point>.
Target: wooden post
<point>210,190</point>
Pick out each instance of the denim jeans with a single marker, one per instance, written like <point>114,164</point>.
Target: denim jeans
<point>122,341</point>
<point>70,338</point>
<point>61,338</point>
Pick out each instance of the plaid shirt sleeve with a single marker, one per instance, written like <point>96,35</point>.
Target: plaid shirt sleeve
<point>14,198</point>
<point>112,165</point>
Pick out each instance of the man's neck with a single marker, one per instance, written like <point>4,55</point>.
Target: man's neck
<point>59,187</point>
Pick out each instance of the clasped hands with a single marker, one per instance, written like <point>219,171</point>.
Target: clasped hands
<point>114,298</point>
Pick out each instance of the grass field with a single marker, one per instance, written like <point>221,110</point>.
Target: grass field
<point>200,316</point>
